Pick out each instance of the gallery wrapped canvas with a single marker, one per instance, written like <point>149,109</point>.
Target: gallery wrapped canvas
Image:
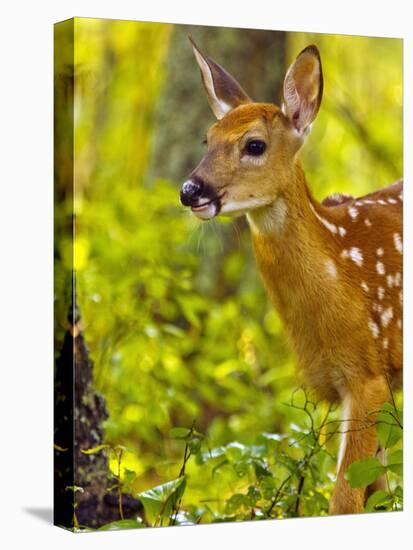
<point>228,274</point>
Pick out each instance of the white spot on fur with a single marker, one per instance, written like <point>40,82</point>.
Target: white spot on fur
<point>356,255</point>
<point>386,316</point>
<point>401,196</point>
<point>342,231</point>
<point>330,226</point>
<point>401,297</point>
<point>353,212</point>
<point>367,222</point>
<point>385,343</point>
<point>331,268</point>
<point>398,242</point>
<point>381,270</point>
<point>339,197</point>
<point>377,308</point>
<point>379,252</point>
<point>398,279</point>
<point>374,328</point>
<point>390,281</point>
<point>365,286</point>
<point>380,293</point>
<point>382,202</point>
<point>368,201</point>
<point>399,323</point>
<point>392,201</point>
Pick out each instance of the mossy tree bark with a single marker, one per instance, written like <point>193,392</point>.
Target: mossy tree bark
<point>80,412</point>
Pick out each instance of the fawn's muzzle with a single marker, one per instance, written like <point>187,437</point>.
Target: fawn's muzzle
<point>191,191</point>
<point>201,197</point>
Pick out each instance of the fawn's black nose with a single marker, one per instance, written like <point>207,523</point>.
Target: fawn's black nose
<point>191,191</point>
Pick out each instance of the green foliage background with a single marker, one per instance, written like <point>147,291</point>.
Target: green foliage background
<point>174,314</point>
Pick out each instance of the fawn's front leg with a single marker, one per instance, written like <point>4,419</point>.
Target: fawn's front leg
<point>360,407</point>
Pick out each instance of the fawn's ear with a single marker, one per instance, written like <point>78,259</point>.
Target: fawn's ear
<point>224,93</point>
<point>303,89</point>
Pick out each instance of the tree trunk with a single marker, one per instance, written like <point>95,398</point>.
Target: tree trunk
<point>82,481</point>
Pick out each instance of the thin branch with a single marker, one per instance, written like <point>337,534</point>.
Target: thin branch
<point>277,494</point>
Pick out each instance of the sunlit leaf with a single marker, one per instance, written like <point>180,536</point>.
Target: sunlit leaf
<point>235,451</point>
<point>195,445</point>
<point>364,472</point>
<point>129,476</point>
<point>179,433</point>
<point>59,448</point>
<point>378,500</point>
<point>159,501</point>
<point>389,431</point>
<point>95,450</point>
<point>395,462</point>
<point>235,502</point>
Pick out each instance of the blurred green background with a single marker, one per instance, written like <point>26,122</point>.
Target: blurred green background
<point>174,314</point>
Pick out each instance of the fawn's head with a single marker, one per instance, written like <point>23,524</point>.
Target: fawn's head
<point>252,146</point>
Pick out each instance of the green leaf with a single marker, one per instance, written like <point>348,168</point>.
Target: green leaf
<point>185,518</point>
<point>94,450</point>
<point>268,486</point>
<point>378,500</point>
<point>159,501</point>
<point>219,466</point>
<point>253,495</point>
<point>129,476</point>
<point>261,470</point>
<point>174,330</point>
<point>211,454</point>
<point>235,502</point>
<point>398,492</point>
<point>364,472</point>
<point>241,467</point>
<point>389,431</point>
<point>235,451</point>
<point>195,445</point>
<point>265,437</point>
<point>395,462</point>
<point>189,309</point>
<point>59,448</point>
<point>122,524</point>
<point>179,433</point>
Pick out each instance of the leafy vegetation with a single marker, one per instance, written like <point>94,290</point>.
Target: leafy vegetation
<point>205,422</point>
<point>277,476</point>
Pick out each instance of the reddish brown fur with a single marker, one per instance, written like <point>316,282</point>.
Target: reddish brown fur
<point>327,319</point>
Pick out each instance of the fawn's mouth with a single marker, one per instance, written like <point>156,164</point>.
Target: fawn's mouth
<point>208,208</point>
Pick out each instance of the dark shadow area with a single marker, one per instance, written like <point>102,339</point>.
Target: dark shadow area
<point>45,514</point>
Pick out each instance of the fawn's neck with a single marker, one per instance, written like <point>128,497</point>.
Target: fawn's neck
<point>294,251</point>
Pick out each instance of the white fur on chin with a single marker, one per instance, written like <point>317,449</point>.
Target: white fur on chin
<point>206,213</point>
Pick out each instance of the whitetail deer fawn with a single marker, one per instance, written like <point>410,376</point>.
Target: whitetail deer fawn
<point>333,269</point>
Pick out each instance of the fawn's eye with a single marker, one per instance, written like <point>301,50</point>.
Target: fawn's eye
<point>255,147</point>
